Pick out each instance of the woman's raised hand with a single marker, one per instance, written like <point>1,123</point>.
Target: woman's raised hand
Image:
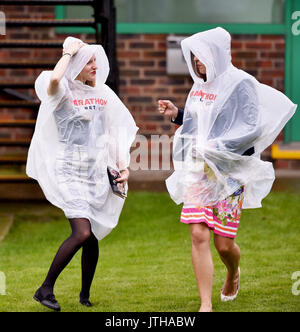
<point>73,47</point>
<point>166,107</point>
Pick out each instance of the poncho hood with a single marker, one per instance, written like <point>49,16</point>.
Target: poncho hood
<point>212,48</point>
<point>77,63</point>
<point>82,57</point>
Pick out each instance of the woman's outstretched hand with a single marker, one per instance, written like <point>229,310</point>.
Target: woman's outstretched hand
<point>166,107</point>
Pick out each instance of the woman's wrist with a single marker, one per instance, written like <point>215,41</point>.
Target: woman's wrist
<point>67,53</point>
<point>175,112</point>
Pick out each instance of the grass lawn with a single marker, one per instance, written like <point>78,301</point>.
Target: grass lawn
<point>145,263</point>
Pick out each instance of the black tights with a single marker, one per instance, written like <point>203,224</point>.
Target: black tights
<point>81,236</point>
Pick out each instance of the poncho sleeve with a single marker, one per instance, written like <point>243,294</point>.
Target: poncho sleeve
<point>238,124</point>
<point>41,87</point>
<point>43,143</point>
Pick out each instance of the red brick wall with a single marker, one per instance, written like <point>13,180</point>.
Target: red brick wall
<point>142,64</point>
<point>142,61</point>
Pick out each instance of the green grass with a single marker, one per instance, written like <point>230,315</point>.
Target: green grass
<point>145,263</point>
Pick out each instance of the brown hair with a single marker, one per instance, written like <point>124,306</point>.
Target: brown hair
<point>203,76</point>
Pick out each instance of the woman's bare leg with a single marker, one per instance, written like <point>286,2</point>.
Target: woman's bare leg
<point>202,263</point>
<point>230,255</point>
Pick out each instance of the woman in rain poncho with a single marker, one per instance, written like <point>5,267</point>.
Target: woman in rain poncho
<point>82,128</point>
<point>228,120</point>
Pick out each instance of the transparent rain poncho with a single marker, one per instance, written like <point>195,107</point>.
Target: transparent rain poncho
<point>224,117</point>
<point>79,132</point>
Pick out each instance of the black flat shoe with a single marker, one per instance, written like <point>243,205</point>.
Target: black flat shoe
<point>86,303</point>
<point>48,301</point>
<point>84,300</point>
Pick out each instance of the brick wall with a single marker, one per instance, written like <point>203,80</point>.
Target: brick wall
<point>142,64</point>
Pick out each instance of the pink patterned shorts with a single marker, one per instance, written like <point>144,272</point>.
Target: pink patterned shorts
<point>223,218</point>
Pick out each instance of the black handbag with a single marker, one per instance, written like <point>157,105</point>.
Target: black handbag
<point>117,188</point>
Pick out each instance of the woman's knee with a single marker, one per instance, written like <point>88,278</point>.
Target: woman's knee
<point>81,230</point>
<point>224,245</point>
<point>200,234</point>
<point>85,235</point>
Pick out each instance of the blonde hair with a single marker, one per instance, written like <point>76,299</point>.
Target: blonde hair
<point>91,83</point>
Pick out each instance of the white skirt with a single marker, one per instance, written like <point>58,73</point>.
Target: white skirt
<point>85,190</point>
